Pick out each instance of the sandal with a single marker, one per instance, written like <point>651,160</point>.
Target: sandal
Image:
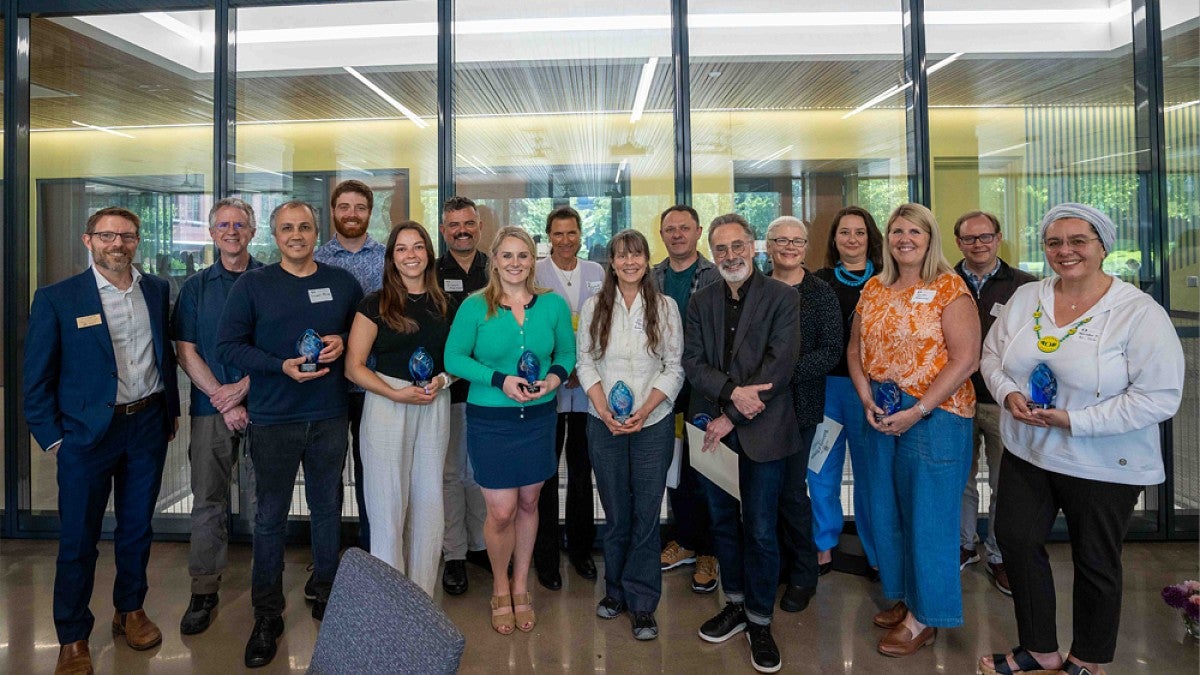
<point>502,621</point>
<point>1020,656</point>
<point>526,619</point>
<point>1072,668</point>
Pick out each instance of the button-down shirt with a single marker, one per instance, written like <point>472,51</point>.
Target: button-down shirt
<point>977,282</point>
<point>458,284</point>
<point>197,313</point>
<point>128,321</point>
<point>627,358</point>
<point>366,264</point>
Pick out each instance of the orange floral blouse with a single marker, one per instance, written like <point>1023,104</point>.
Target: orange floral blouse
<point>901,339</point>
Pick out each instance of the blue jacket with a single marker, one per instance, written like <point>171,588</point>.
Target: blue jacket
<point>71,371</point>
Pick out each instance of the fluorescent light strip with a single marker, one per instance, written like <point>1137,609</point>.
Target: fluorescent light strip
<point>489,169</point>
<point>179,28</point>
<point>774,155</point>
<point>255,167</point>
<point>901,87</point>
<point>643,89</point>
<point>473,164</point>
<point>1180,106</point>
<point>106,130</point>
<point>943,63</point>
<point>722,20</point>
<point>359,169</point>
<point>384,95</point>
<point>1003,150</point>
<point>620,168</point>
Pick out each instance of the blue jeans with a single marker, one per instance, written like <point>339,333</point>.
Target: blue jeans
<point>127,462</point>
<point>277,451</point>
<point>843,406</point>
<point>918,478</point>
<point>631,474</point>
<point>744,533</point>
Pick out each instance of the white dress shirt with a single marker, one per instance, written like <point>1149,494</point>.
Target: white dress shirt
<point>128,322</point>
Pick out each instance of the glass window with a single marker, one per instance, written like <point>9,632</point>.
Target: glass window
<point>797,112</point>
<point>565,104</point>
<point>121,115</point>
<point>1181,84</point>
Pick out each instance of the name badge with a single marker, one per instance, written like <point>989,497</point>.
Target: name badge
<point>924,296</point>
<point>594,286</point>
<point>1087,334</point>
<point>316,295</point>
<point>639,324</point>
<point>996,309</point>
<point>453,285</point>
<point>88,321</point>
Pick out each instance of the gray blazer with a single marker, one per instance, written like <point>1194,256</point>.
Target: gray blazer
<point>766,348</point>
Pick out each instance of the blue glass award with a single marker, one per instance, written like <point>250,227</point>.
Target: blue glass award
<point>1043,387</point>
<point>309,346</point>
<point>420,366</point>
<point>529,366</point>
<point>701,420</point>
<point>887,397</point>
<point>620,401</point>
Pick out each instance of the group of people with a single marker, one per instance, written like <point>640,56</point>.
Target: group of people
<point>475,371</point>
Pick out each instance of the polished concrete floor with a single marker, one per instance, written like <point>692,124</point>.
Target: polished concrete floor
<point>833,635</point>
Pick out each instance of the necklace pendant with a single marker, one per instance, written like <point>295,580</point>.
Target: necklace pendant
<point>1048,344</point>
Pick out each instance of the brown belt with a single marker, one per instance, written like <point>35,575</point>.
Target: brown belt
<point>138,405</point>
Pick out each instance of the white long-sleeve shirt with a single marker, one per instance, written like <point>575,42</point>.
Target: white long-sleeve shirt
<point>627,358</point>
<point>1118,376</point>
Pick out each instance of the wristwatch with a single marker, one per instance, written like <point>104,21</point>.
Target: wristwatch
<point>924,413</point>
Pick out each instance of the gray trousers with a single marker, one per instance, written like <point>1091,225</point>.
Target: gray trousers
<point>986,432</point>
<point>463,502</point>
<point>213,453</point>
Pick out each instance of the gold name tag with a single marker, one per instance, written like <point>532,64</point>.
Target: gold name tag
<point>87,321</point>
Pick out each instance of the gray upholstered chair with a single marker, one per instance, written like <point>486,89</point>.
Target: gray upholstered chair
<point>380,622</point>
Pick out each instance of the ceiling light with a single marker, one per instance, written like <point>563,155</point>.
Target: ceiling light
<point>384,95</point>
<point>901,87</point>
<point>943,63</point>
<point>106,130</point>
<point>643,89</point>
<point>774,155</point>
<point>179,28</point>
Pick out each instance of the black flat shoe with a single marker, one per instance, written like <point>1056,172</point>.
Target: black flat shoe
<point>796,598</point>
<point>824,568</point>
<point>454,577</point>
<point>584,566</point>
<point>550,579</point>
<point>199,614</point>
<point>260,650</point>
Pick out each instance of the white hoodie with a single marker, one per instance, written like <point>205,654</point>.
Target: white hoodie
<point>1118,376</point>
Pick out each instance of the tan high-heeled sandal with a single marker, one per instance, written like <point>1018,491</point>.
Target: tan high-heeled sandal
<point>526,619</point>
<point>503,621</point>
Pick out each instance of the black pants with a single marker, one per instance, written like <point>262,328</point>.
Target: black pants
<point>355,413</point>
<point>797,550</point>
<point>581,520</point>
<point>1098,516</point>
<point>691,528</point>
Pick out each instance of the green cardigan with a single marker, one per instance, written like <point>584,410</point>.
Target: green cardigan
<point>484,350</point>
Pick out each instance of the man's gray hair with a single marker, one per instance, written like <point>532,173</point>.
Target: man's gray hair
<point>729,219</point>
<point>236,203</point>
<point>784,221</point>
<point>294,203</point>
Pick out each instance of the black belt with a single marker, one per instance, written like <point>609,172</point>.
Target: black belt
<point>138,405</point>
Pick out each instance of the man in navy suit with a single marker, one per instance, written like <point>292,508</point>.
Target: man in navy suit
<point>101,396</point>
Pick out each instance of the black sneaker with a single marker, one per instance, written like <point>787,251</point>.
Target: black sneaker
<point>609,608</point>
<point>199,613</point>
<point>729,622</point>
<point>260,650</point>
<point>764,655</point>
<point>796,598</point>
<point>454,577</point>
<point>310,587</point>
<point>644,625</point>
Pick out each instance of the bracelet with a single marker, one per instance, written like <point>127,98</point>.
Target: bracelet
<point>924,413</point>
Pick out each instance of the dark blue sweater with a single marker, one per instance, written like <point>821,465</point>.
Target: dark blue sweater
<point>267,311</point>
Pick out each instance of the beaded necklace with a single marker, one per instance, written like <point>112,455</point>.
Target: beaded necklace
<point>1050,343</point>
<point>850,278</point>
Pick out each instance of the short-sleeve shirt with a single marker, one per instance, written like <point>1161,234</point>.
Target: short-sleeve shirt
<point>393,349</point>
<point>902,340</point>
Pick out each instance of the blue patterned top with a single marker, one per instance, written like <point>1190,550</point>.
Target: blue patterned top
<point>366,264</point>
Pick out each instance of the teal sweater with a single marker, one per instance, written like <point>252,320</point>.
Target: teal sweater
<point>485,350</point>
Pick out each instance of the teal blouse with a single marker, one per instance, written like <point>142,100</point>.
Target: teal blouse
<point>485,350</point>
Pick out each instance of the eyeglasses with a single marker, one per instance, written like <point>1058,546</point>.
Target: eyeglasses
<point>736,248</point>
<point>1071,242</point>
<point>110,237</point>
<point>784,241</point>
<point>988,238</point>
<point>235,225</point>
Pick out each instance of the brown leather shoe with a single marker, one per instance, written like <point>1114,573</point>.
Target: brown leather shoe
<point>74,659</point>
<point>900,641</point>
<point>139,631</point>
<point>890,618</point>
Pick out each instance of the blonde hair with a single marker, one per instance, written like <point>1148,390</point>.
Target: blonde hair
<point>493,293</point>
<point>935,263</point>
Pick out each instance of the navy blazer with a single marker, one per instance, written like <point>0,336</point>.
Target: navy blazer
<point>71,371</point>
<point>765,351</point>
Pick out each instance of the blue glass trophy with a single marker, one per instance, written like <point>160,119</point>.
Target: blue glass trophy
<point>620,401</point>
<point>1043,387</point>
<point>701,420</point>
<point>309,346</point>
<point>530,368</point>
<point>887,397</point>
<point>420,366</point>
